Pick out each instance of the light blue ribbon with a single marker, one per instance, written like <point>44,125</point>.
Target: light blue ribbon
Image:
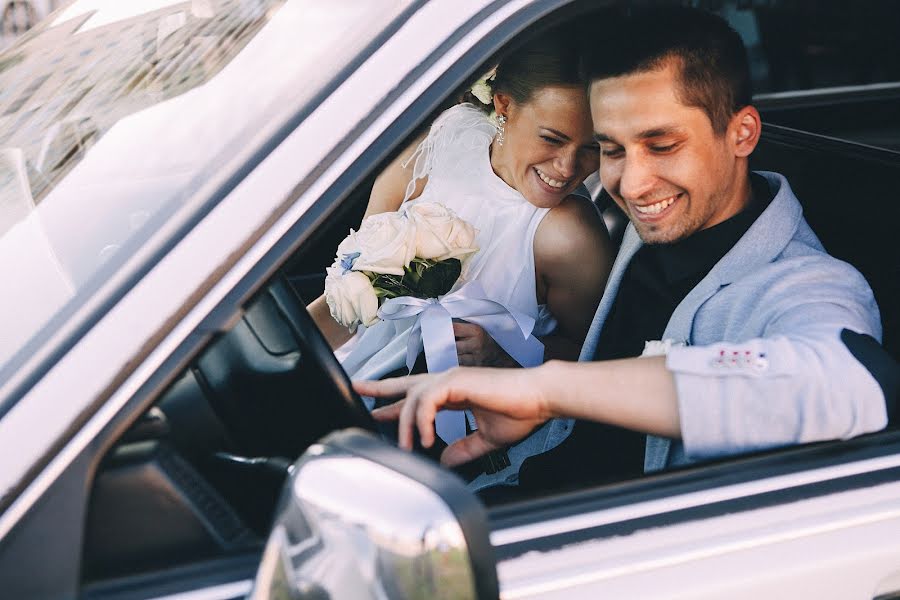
<point>433,331</point>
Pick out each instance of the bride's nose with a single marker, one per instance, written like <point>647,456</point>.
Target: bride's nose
<point>565,163</point>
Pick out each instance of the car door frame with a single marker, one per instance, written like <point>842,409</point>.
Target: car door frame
<point>49,499</point>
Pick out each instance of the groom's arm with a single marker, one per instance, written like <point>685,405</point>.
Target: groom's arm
<point>635,393</point>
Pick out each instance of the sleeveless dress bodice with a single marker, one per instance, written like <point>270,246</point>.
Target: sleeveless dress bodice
<point>455,156</point>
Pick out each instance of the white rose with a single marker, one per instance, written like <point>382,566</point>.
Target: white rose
<point>386,242</point>
<point>351,298</point>
<point>347,253</point>
<point>440,234</point>
<point>482,91</point>
<point>347,247</point>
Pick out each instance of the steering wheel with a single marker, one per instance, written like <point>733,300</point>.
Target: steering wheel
<point>349,406</point>
<point>273,382</point>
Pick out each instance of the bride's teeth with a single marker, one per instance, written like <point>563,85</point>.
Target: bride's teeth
<point>550,181</point>
<point>653,209</point>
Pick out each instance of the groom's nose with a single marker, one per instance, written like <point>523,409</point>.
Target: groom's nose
<point>636,177</point>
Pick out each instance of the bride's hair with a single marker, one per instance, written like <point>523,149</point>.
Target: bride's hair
<point>549,60</point>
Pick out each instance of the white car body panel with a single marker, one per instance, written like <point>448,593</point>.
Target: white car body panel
<point>746,555</point>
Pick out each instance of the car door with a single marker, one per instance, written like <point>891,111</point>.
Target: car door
<point>81,391</point>
<point>807,523</point>
<point>267,213</point>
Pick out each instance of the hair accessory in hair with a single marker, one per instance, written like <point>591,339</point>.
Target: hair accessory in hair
<point>482,90</point>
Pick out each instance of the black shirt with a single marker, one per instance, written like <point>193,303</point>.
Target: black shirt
<point>655,282</point>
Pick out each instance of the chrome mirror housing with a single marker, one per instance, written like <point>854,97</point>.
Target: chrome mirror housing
<point>362,519</point>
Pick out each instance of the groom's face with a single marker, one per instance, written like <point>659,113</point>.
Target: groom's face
<point>661,161</point>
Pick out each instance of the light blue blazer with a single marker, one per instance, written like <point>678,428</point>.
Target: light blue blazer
<point>763,364</point>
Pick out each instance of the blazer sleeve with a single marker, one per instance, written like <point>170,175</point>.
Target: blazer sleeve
<point>797,381</point>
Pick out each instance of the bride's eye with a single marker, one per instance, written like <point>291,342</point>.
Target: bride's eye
<point>551,140</point>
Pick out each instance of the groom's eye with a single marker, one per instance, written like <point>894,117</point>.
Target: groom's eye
<point>663,149</point>
<point>613,152</point>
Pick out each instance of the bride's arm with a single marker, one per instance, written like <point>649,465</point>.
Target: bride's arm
<point>387,196</point>
<point>335,334</point>
<point>390,185</point>
<point>573,256</point>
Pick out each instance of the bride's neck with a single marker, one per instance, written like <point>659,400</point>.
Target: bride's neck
<point>499,163</point>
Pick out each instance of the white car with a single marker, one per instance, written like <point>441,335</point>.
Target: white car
<point>175,176</point>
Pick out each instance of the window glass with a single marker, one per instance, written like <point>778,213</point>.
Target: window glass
<point>832,68</point>
<point>811,45</point>
<point>114,113</point>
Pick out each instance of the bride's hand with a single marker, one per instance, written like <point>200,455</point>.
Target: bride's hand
<point>476,348</point>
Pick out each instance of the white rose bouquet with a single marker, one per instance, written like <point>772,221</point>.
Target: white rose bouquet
<point>416,252</point>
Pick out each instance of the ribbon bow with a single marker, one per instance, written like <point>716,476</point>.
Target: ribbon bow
<point>433,331</point>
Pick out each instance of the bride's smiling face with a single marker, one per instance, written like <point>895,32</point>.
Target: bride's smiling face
<point>548,146</point>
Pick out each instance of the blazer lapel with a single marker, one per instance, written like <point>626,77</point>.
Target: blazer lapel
<point>631,242</point>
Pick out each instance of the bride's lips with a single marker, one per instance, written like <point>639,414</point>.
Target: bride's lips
<point>654,211</point>
<point>551,184</point>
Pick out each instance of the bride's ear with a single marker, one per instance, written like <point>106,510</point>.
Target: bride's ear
<point>501,103</point>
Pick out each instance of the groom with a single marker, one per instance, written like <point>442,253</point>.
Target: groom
<point>768,340</point>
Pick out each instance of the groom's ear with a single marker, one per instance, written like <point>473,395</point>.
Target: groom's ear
<point>501,103</point>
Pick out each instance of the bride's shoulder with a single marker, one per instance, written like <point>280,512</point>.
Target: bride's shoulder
<point>574,211</point>
<point>572,228</point>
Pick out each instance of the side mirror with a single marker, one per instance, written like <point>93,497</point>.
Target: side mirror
<point>362,519</point>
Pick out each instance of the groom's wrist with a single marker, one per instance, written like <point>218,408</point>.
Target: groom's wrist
<point>550,388</point>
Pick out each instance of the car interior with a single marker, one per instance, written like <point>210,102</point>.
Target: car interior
<point>199,475</point>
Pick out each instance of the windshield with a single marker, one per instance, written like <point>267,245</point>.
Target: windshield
<point>114,112</point>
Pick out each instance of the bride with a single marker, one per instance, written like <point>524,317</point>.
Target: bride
<point>517,178</point>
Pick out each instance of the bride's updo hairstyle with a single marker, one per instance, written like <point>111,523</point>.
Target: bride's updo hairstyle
<point>549,60</point>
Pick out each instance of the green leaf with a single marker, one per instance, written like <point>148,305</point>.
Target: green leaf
<point>411,276</point>
<point>390,286</point>
<point>439,278</point>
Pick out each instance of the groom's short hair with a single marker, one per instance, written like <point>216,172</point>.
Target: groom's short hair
<point>710,56</point>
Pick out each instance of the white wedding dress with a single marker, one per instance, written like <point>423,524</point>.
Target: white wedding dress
<point>456,159</point>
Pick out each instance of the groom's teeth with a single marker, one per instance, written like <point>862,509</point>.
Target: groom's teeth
<point>653,209</point>
<point>550,181</point>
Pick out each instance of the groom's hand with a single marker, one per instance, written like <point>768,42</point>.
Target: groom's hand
<point>507,406</point>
